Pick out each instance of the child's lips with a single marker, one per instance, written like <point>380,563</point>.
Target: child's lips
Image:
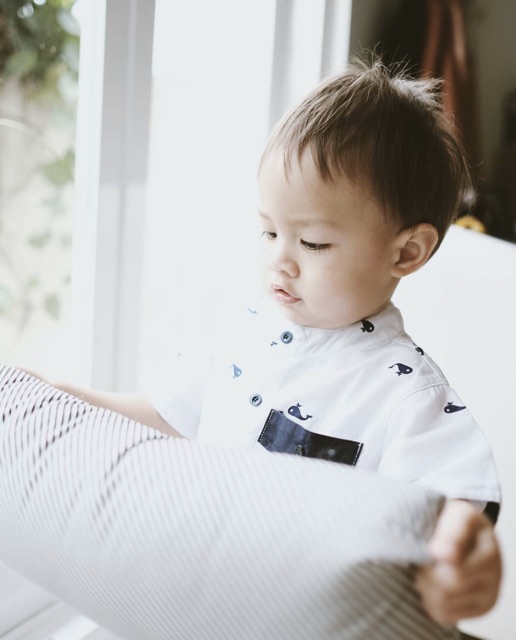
<point>283,296</point>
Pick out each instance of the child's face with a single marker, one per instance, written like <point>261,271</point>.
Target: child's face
<point>328,250</point>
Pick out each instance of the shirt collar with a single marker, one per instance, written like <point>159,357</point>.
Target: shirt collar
<point>292,339</point>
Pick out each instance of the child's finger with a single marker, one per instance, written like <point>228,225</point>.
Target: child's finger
<point>448,595</point>
<point>456,532</point>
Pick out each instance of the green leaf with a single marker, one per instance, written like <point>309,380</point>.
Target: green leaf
<point>60,171</point>
<point>67,21</point>
<point>22,62</point>
<point>61,4</point>
<point>52,305</point>
<point>40,240</point>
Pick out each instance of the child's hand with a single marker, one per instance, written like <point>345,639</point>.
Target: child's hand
<point>464,579</point>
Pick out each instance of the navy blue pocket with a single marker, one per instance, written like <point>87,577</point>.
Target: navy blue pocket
<point>285,436</point>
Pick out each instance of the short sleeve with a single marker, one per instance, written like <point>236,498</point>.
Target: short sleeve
<point>431,438</point>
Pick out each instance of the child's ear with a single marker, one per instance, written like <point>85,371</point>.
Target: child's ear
<point>414,246</point>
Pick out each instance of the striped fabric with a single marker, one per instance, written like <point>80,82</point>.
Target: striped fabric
<point>160,538</point>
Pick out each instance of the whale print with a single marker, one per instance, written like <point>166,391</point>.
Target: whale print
<point>237,372</point>
<point>294,410</point>
<point>403,369</point>
<point>367,326</point>
<point>420,351</point>
<point>452,408</point>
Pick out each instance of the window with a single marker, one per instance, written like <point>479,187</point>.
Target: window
<point>39,57</point>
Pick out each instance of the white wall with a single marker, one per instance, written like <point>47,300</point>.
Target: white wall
<point>209,123</point>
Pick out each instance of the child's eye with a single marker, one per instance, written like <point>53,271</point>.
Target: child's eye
<point>314,246</point>
<point>269,234</point>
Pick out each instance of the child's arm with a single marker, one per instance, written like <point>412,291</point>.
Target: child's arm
<point>464,579</point>
<point>132,405</point>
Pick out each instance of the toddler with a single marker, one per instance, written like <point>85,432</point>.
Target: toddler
<point>358,184</point>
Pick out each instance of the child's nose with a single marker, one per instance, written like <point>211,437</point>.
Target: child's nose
<point>281,259</point>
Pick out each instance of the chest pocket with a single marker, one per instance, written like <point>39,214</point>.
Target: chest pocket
<point>285,436</point>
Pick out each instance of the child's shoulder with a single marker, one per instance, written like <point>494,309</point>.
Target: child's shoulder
<point>407,358</point>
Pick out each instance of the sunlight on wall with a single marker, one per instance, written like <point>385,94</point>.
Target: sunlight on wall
<point>210,104</point>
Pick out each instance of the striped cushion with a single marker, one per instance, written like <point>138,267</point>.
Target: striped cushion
<point>159,538</point>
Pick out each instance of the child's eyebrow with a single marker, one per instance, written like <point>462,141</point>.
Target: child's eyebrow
<point>305,221</point>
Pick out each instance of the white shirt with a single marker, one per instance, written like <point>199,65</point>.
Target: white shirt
<point>367,383</point>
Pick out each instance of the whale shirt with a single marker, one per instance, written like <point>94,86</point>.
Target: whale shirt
<point>364,395</point>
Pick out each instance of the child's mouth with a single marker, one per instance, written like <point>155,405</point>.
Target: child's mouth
<point>282,296</point>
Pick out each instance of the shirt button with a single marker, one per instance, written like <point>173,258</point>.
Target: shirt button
<point>255,399</point>
<point>299,450</point>
<point>286,337</point>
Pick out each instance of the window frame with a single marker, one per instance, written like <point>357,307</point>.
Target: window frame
<point>111,172</point>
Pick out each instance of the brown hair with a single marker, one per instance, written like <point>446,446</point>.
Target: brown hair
<point>387,132</point>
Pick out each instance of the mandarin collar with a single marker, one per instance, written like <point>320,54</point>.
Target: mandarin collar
<point>292,339</point>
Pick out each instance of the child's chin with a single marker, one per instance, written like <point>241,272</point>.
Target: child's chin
<point>293,313</point>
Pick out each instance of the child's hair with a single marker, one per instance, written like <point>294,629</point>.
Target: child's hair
<point>387,132</point>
